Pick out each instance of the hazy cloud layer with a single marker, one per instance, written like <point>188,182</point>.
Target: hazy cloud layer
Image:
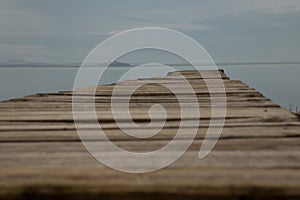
<point>232,30</point>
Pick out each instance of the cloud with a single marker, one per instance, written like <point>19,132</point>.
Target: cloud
<point>113,32</point>
<point>72,27</point>
<point>13,51</point>
<point>280,6</point>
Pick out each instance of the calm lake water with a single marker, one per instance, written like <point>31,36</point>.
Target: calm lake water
<point>277,82</point>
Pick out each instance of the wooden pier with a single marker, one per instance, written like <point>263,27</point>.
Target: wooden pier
<point>257,155</point>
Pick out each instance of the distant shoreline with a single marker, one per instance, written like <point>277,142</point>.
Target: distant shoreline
<point>119,64</point>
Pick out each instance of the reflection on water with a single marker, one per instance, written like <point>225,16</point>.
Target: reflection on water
<point>278,82</point>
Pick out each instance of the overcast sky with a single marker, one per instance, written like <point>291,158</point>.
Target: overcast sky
<point>64,31</point>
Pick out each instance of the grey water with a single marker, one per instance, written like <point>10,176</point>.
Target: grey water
<point>280,83</point>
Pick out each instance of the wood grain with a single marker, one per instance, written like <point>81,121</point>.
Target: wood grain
<point>256,157</point>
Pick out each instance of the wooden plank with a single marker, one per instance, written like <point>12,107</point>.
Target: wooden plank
<point>59,125</point>
<point>77,183</point>
<point>148,99</point>
<point>152,85</point>
<point>175,82</point>
<point>239,144</point>
<point>41,154</point>
<point>265,114</point>
<point>65,132</point>
<point>20,106</point>
<point>159,91</point>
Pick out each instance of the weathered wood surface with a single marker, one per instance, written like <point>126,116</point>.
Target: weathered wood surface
<point>257,155</point>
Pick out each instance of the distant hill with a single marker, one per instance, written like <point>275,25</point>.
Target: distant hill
<point>119,64</point>
<point>25,63</point>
